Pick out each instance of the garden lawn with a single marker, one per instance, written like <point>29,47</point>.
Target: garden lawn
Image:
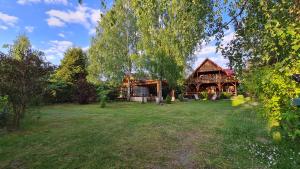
<point>196,134</point>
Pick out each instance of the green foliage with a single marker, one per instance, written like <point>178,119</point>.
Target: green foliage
<point>69,83</point>
<point>103,102</point>
<point>225,95</point>
<point>103,90</point>
<point>180,97</point>
<point>237,100</point>
<point>59,91</point>
<point>85,91</point>
<point>114,48</point>
<point>4,111</point>
<point>267,42</point>
<point>19,48</point>
<point>241,89</point>
<point>170,33</point>
<point>82,92</point>
<point>168,99</point>
<point>203,95</point>
<point>73,66</point>
<point>275,88</point>
<point>23,77</point>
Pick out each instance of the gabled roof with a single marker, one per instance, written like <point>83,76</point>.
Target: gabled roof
<point>212,62</point>
<point>228,72</point>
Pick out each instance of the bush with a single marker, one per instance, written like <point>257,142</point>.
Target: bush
<point>4,111</point>
<point>106,90</point>
<point>85,92</point>
<point>275,89</point>
<point>180,97</point>
<point>59,92</point>
<point>103,102</point>
<point>238,100</point>
<point>82,92</point>
<point>225,95</point>
<point>168,99</point>
<point>203,95</point>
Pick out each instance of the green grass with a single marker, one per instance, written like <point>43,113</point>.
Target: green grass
<point>200,134</point>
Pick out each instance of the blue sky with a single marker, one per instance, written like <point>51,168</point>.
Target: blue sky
<point>55,25</point>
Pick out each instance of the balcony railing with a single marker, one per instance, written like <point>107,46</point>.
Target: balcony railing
<point>213,79</point>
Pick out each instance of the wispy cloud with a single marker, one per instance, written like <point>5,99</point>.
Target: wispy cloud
<point>64,2</point>
<point>86,48</point>
<point>55,22</point>
<point>26,2</point>
<point>61,35</point>
<point>7,21</point>
<point>83,15</point>
<point>229,35</point>
<point>29,29</point>
<point>209,49</point>
<point>3,27</point>
<point>56,50</point>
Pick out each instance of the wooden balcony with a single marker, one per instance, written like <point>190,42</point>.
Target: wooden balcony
<point>214,79</point>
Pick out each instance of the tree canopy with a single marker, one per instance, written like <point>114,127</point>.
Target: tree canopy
<point>23,76</point>
<point>170,32</point>
<point>115,44</point>
<point>156,37</point>
<point>266,53</point>
<point>73,66</point>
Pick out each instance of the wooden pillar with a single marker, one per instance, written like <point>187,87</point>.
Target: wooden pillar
<point>235,89</point>
<point>219,89</point>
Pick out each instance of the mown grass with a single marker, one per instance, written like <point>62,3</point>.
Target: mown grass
<point>198,134</point>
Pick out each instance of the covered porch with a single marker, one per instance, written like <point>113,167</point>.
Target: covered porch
<point>211,88</point>
<point>143,90</point>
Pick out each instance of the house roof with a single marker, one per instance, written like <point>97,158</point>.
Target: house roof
<point>228,72</point>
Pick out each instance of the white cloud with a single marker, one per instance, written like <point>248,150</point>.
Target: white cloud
<point>61,35</point>
<point>56,50</point>
<point>218,59</point>
<point>209,50</point>
<point>25,2</point>
<point>64,2</point>
<point>92,31</point>
<point>8,20</point>
<point>230,35</point>
<point>55,22</point>
<point>29,29</point>
<point>205,50</point>
<point>3,27</point>
<point>94,16</point>
<point>85,16</point>
<point>85,48</point>
<point>78,16</point>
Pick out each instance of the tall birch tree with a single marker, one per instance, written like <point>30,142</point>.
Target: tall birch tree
<point>114,46</point>
<point>170,32</point>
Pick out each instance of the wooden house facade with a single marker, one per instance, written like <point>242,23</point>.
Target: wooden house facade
<point>210,77</point>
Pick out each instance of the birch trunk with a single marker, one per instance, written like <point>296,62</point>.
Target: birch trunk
<point>128,90</point>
